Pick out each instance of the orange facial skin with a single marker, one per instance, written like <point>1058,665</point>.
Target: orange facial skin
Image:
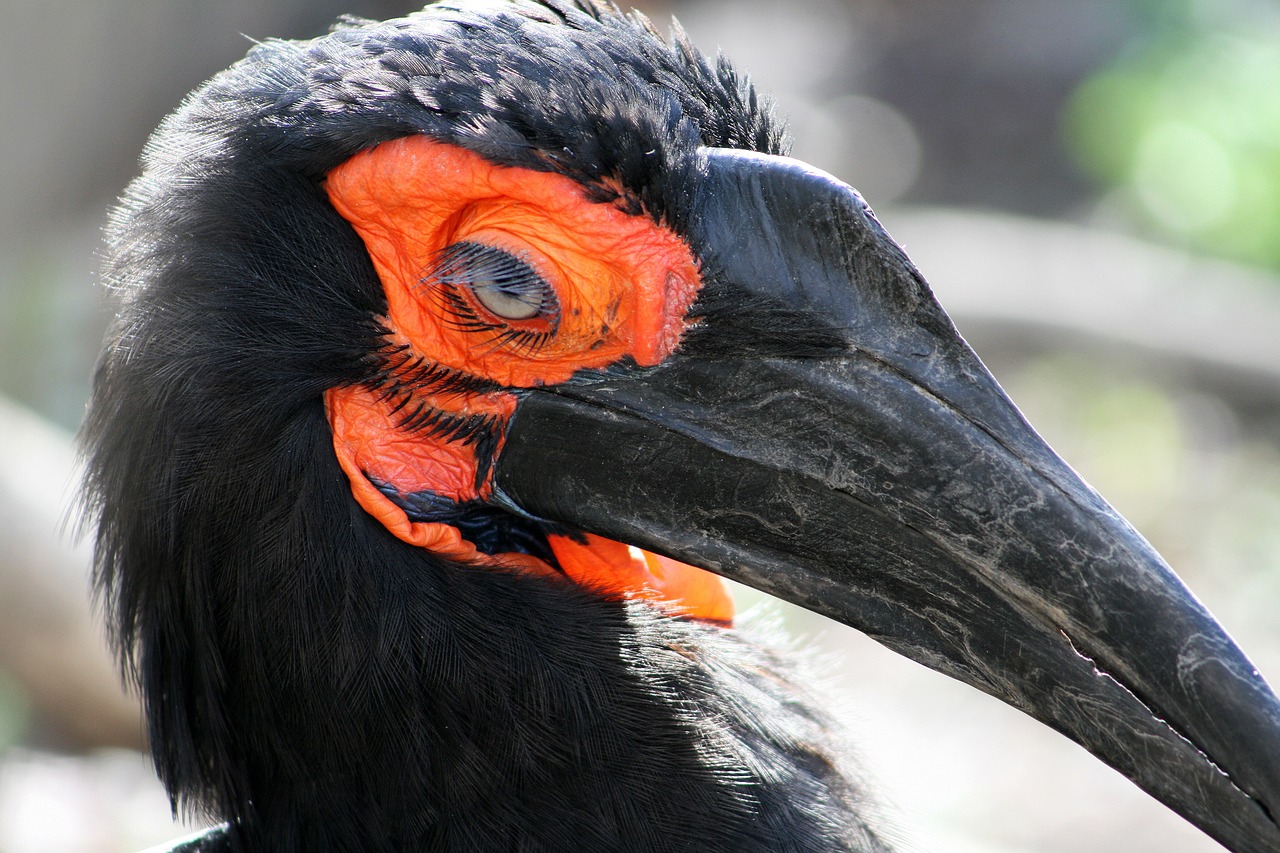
<point>624,284</point>
<point>370,443</point>
<point>619,285</point>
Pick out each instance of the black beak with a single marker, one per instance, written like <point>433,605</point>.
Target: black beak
<point>829,438</point>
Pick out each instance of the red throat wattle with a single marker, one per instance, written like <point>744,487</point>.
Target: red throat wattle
<point>557,282</point>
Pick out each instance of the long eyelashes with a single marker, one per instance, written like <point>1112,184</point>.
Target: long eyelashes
<point>490,291</point>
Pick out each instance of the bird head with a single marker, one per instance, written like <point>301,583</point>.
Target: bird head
<point>442,334</point>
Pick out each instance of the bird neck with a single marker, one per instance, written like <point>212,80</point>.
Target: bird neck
<point>450,709</point>
<point>322,685</point>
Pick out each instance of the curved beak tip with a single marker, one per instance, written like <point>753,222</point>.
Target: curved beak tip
<point>889,483</point>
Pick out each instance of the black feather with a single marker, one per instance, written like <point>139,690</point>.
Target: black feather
<point>307,677</point>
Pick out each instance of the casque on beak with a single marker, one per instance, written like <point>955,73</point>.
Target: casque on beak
<point>874,471</point>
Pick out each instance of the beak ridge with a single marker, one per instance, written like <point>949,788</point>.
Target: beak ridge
<point>889,483</point>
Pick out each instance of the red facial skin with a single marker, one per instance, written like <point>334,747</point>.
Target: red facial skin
<point>623,285</point>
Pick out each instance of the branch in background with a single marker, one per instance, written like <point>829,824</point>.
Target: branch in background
<point>50,642</point>
<point>1018,284</point>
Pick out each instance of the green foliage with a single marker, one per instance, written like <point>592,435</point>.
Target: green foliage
<point>15,712</point>
<point>1185,125</point>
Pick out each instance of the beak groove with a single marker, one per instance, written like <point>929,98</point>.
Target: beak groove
<point>891,485</point>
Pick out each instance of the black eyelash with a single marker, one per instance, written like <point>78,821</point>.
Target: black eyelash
<point>400,370</point>
<point>463,265</point>
<point>403,378</point>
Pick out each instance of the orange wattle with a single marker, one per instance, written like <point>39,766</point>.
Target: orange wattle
<point>623,286</point>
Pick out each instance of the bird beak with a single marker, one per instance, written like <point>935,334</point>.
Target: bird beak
<point>826,436</point>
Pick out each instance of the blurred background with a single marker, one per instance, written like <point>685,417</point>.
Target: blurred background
<point>1092,188</point>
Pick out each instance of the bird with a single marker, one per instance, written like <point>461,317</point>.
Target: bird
<point>458,356</point>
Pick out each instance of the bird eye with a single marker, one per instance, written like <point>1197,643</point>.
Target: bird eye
<point>509,303</point>
<point>502,283</point>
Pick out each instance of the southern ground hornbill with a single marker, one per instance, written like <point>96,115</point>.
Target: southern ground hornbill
<point>429,326</point>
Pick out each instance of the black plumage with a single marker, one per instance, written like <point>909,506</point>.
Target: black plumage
<point>307,677</point>
<point>316,678</point>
